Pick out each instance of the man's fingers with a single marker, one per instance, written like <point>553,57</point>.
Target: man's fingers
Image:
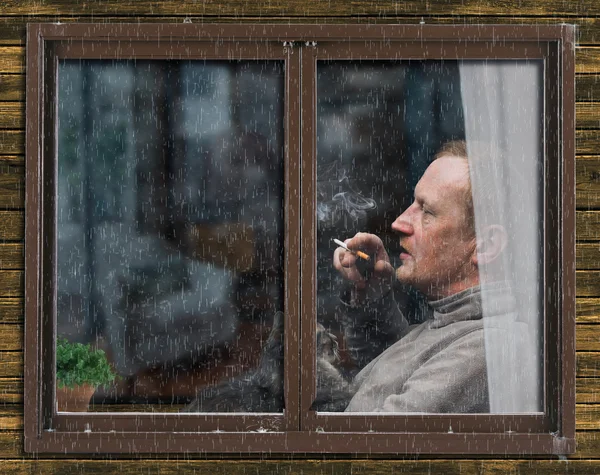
<point>384,269</point>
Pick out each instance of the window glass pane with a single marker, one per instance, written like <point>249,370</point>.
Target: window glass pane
<point>450,319</point>
<point>170,228</point>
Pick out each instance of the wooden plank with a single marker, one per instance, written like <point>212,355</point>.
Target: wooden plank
<point>588,390</point>
<point>12,187</point>
<point>11,337</point>
<point>12,29</point>
<point>588,364</point>
<point>587,60</point>
<point>588,283</point>
<point>587,256</point>
<point>12,59</point>
<point>12,142</point>
<point>587,87</point>
<point>11,283</point>
<point>588,142</point>
<point>283,464</point>
<point>12,87</point>
<point>11,417</point>
<point>12,225</point>
<point>15,160</point>
<point>11,311</point>
<point>588,338</point>
<point>588,225</point>
<point>12,115</point>
<point>588,115</point>
<point>11,364</point>
<point>12,256</point>
<point>587,416</point>
<point>587,182</point>
<point>588,445</point>
<point>11,444</point>
<point>11,391</point>
<point>303,8</point>
<point>588,310</point>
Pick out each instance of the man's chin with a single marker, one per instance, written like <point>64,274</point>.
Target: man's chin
<point>403,275</point>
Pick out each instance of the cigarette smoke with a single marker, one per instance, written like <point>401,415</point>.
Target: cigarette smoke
<point>345,201</point>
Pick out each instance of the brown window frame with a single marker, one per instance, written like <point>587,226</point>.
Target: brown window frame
<point>298,429</point>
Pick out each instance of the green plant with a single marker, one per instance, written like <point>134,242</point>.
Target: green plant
<point>78,364</point>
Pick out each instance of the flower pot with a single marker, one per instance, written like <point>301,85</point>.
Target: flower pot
<point>76,399</point>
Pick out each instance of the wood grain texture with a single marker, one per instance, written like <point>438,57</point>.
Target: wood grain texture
<point>11,337</point>
<point>587,225</point>
<point>11,311</point>
<point>12,256</point>
<point>304,8</point>
<point>12,187</point>
<point>12,115</point>
<point>588,142</point>
<point>299,465</point>
<point>587,391</point>
<point>588,364</point>
<point>587,182</point>
<point>11,391</point>
<point>588,283</point>
<point>15,160</point>
<point>587,256</point>
<point>13,29</point>
<point>588,115</point>
<point>12,142</point>
<point>11,364</point>
<point>12,87</point>
<point>588,310</point>
<point>587,88</point>
<point>11,283</point>
<point>12,225</point>
<point>12,59</point>
<point>588,337</point>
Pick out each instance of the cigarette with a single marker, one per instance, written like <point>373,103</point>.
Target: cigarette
<point>360,254</point>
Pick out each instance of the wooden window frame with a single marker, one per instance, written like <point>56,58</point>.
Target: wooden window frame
<point>298,429</point>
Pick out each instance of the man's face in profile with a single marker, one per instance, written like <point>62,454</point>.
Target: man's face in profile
<point>438,244</point>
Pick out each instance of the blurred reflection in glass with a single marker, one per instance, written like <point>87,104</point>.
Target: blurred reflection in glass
<point>170,220</point>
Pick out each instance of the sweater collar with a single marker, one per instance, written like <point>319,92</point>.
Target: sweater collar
<point>469,304</point>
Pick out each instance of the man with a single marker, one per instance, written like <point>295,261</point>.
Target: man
<point>440,365</point>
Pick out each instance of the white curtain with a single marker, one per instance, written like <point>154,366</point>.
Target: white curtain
<point>503,105</point>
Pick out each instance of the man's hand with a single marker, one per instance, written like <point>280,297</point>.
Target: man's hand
<point>380,280</point>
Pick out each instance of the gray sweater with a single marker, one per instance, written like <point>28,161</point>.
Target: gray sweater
<point>438,366</point>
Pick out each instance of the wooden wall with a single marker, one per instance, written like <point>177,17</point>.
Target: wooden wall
<point>15,14</point>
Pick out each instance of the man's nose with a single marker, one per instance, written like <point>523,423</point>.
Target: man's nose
<point>403,223</point>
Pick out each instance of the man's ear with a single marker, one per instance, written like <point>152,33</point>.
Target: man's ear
<point>491,241</point>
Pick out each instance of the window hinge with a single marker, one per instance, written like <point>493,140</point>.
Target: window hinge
<point>288,47</point>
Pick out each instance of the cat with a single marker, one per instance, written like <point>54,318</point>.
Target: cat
<point>261,390</point>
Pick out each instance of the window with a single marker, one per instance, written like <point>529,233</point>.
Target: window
<point>185,185</point>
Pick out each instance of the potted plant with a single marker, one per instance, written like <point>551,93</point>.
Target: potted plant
<point>80,369</point>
